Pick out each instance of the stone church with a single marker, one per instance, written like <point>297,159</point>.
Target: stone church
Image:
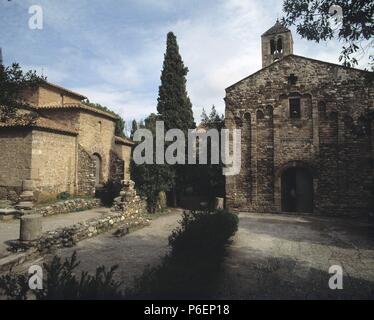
<point>299,152</point>
<point>71,147</point>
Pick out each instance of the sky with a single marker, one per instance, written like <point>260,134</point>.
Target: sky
<point>112,50</point>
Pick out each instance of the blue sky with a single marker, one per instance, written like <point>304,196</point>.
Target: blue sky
<point>112,50</point>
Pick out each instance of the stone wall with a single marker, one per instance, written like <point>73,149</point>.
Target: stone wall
<point>127,212</point>
<point>124,152</point>
<point>53,162</point>
<point>320,140</point>
<point>86,173</point>
<point>96,136</point>
<point>15,161</point>
<point>48,95</point>
<point>117,166</point>
<point>68,206</point>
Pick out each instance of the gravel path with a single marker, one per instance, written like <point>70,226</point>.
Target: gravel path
<point>132,252</point>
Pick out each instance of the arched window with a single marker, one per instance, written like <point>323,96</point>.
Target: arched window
<point>97,162</point>
<point>259,115</point>
<point>322,107</point>
<point>348,122</point>
<point>295,109</point>
<point>280,45</point>
<point>272,46</point>
<point>269,111</point>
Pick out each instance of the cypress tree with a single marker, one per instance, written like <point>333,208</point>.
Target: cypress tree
<point>174,105</point>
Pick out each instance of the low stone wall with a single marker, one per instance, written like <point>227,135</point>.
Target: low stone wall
<point>69,236</point>
<point>68,206</point>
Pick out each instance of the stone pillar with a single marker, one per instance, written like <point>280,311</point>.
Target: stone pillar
<point>27,196</point>
<point>30,227</point>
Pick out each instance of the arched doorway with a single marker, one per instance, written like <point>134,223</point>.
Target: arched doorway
<point>297,190</point>
<point>97,162</point>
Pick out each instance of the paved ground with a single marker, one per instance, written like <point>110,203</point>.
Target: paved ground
<point>280,257</point>
<point>271,257</point>
<point>132,253</point>
<point>9,230</point>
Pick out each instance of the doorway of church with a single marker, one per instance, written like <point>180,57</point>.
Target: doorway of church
<point>297,190</point>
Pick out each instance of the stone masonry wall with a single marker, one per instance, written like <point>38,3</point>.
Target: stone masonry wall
<point>15,161</point>
<point>96,136</point>
<point>117,166</point>
<point>86,173</point>
<point>332,98</point>
<point>68,206</point>
<point>53,164</point>
<point>124,153</point>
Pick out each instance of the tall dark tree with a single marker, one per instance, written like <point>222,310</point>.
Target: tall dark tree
<point>13,84</point>
<point>314,21</point>
<point>174,105</point>
<point>151,179</point>
<point>134,127</point>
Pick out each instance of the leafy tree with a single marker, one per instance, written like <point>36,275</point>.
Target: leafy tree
<point>151,179</point>
<point>313,22</point>
<point>174,105</point>
<point>13,84</point>
<point>210,177</point>
<point>120,123</point>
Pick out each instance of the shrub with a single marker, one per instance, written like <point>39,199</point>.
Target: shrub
<point>63,196</point>
<point>60,282</point>
<point>192,268</point>
<point>109,192</point>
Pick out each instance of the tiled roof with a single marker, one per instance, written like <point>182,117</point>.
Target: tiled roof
<point>277,28</point>
<point>77,106</point>
<point>124,140</point>
<point>41,122</point>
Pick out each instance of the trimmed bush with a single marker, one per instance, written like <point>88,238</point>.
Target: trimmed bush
<point>192,269</point>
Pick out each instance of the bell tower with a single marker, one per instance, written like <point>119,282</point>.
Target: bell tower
<point>276,43</point>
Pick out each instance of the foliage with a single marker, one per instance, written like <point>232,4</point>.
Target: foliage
<point>174,105</point>
<point>109,192</point>
<point>314,22</point>
<point>192,269</point>
<point>13,84</point>
<point>211,175</point>
<point>120,123</point>
<point>63,196</point>
<point>151,179</point>
<point>134,127</point>
<point>60,283</point>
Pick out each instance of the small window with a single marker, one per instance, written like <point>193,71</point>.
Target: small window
<point>272,46</point>
<point>280,45</point>
<point>295,108</point>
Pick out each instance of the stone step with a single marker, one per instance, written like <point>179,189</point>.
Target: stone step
<point>5,204</point>
<point>8,214</point>
<point>25,205</point>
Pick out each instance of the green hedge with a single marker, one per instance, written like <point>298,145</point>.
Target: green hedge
<point>192,269</point>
